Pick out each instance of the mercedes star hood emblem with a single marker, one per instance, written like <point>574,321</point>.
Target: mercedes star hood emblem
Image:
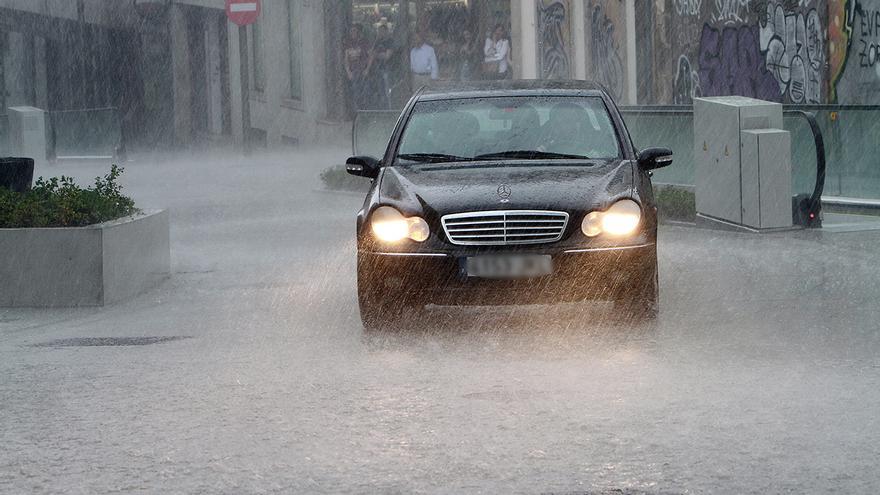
<point>503,192</point>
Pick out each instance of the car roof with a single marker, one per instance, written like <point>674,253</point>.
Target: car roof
<point>516,87</point>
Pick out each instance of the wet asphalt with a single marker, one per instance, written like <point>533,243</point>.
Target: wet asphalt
<point>248,371</point>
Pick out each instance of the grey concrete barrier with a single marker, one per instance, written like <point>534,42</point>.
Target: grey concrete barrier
<point>84,266</point>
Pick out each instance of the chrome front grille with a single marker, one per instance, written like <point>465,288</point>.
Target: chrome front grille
<point>505,227</point>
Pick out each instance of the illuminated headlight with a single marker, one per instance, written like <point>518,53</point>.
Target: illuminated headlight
<point>389,225</point>
<point>621,219</point>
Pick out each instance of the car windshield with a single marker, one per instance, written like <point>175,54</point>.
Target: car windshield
<point>538,128</point>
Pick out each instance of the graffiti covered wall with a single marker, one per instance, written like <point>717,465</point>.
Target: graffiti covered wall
<point>554,39</point>
<point>768,49</point>
<point>854,51</point>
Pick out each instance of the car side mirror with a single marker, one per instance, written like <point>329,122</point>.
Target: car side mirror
<point>654,158</point>
<point>362,166</point>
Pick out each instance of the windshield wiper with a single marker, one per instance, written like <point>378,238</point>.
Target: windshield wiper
<point>529,154</point>
<point>433,157</point>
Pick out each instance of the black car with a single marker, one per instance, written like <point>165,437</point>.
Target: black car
<point>506,193</point>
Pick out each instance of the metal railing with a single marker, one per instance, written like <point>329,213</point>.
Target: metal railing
<point>87,134</point>
<point>851,134</point>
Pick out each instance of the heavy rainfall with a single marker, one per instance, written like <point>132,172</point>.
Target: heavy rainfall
<point>507,289</point>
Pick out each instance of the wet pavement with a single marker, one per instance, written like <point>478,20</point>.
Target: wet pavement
<point>248,372</point>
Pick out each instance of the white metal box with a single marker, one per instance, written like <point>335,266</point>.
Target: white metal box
<point>766,178</point>
<point>27,134</point>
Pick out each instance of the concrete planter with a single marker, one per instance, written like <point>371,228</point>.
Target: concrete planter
<point>84,266</point>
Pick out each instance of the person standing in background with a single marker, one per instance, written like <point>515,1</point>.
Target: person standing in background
<point>496,52</point>
<point>423,63</point>
<point>357,62</point>
<point>383,51</point>
<point>468,54</point>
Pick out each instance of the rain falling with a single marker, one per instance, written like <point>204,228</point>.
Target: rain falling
<point>439,246</point>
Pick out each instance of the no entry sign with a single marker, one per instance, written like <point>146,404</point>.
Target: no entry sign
<point>243,12</point>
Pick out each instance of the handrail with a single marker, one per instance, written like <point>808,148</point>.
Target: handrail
<point>688,108</point>
<point>807,209</point>
<point>785,106</point>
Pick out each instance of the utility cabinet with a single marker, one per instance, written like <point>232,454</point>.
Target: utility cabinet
<point>766,178</point>
<point>743,162</point>
<point>27,133</point>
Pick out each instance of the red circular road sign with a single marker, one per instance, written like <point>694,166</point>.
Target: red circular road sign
<point>243,12</point>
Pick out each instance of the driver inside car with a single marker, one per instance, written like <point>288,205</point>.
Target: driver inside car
<point>563,129</point>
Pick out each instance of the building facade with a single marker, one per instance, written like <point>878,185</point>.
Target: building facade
<point>173,67</point>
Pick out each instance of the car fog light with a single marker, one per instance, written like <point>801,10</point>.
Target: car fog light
<point>418,229</point>
<point>389,225</point>
<point>592,224</point>
<point>621,218</point>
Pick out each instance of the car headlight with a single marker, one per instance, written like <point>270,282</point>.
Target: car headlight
<point>621,219</point>
<point>389,225</point>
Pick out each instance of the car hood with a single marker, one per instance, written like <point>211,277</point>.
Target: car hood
<point>444,188</point>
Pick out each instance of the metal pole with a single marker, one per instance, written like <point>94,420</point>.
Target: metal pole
<point>245,90</point>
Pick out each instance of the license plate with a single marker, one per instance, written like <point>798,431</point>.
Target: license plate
<point>509,266</point>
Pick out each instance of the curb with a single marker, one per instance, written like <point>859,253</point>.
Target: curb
<point>341,192</point>
<point>678,223</point>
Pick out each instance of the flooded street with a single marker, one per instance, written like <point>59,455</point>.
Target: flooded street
<point>248,370</point>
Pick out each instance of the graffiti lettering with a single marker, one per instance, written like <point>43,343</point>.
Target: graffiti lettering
<point>730,11</point>
<point>869,54</point>
<point>870,23</point>
<point>793,50</point>
<point>688,7</point>
<point>869,49</point>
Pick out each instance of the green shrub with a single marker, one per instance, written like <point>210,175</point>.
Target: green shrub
<point>676,204</point>
<point>336,178</point>
<point>59,202</point>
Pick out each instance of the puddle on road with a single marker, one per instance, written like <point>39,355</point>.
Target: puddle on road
<point>108,341</point>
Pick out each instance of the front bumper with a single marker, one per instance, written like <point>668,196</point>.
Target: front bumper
<point>578,274</point>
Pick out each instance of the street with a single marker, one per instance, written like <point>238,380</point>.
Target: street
<point>248,371</point>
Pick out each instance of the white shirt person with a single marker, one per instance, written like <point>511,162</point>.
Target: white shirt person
<point>423,61</point>
<point>497,50</point>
